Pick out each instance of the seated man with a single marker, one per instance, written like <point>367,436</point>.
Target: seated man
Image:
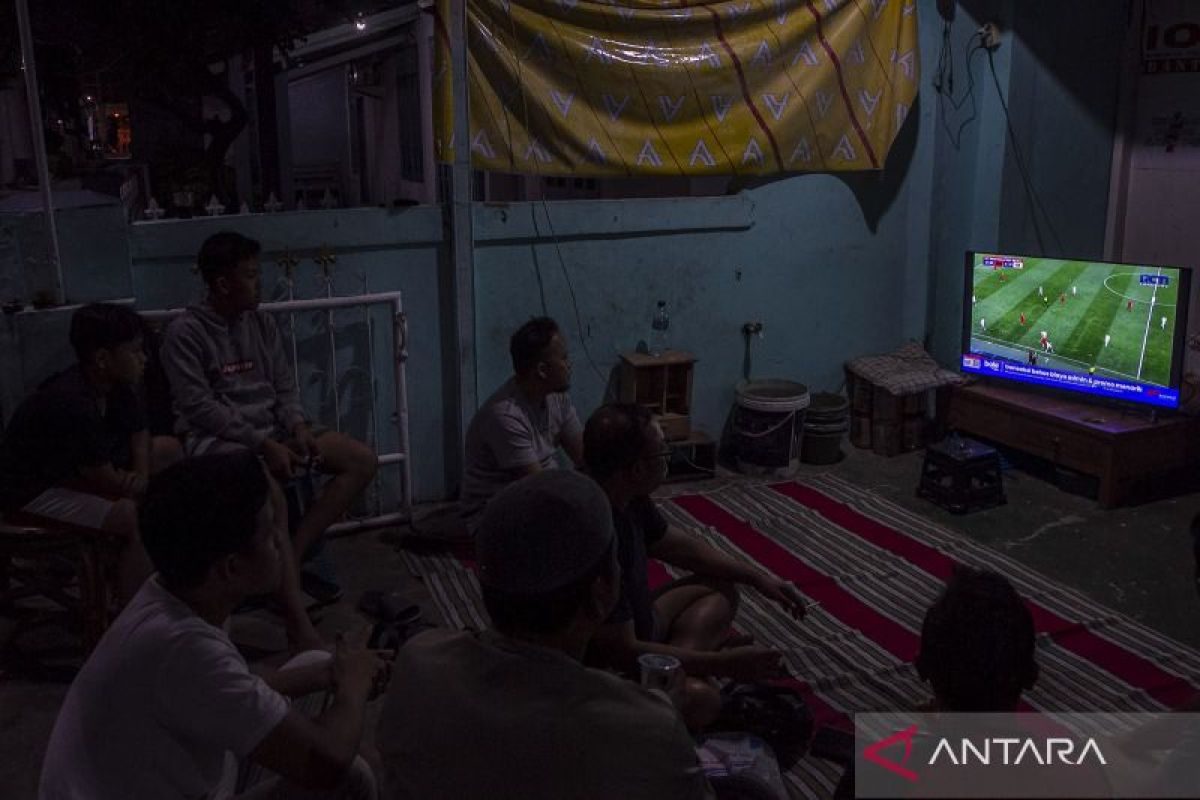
<point>511,711</point>
<point>77,451</point>
<point>977,645</point>
<point>166,697</point>
<point>234,389</point>
<point>519,429</point>
<point>977,653</point>
<point>688,618</point>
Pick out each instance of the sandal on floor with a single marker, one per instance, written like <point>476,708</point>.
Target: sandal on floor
<point>325,592</point>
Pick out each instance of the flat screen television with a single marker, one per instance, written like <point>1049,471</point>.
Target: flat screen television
<point>1111,331</point>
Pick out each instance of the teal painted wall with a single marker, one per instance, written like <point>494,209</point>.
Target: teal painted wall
<point>93,248</point>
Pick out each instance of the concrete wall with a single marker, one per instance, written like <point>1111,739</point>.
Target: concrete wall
<point>1058,67</point>
<point>93,248</point>
<point>820,261</point>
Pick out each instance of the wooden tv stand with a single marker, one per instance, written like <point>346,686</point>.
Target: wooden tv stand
<point>1127,451</point>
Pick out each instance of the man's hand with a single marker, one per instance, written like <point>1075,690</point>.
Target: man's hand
<point>280,460</point>
<point>783,592</point>
<point>749,663</point>
<point>307,443</point>
<point>355,668</point>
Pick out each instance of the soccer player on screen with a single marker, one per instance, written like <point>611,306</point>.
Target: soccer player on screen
<point>1163,325</point>
<point>1074,291</point>
<point>1062,299</point>
<point>1106,339</point>
<point>1040,292</point>
<point>1022,318</point>
<point>982,324</point>
<point>1129,305</point>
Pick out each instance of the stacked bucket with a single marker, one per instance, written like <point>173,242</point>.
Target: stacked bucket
<point>777,424</point>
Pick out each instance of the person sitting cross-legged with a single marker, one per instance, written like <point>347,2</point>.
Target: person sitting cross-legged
<point>166,706</point>
<point>689,618</point>
<point>520,428</point>
<point>77,452</point>
<point>234,389</point>
<point>512,711</point>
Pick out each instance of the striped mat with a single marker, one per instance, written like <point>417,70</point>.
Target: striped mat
<point>874,568</point>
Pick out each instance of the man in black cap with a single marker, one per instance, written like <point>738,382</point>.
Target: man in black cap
<point>513,707</point>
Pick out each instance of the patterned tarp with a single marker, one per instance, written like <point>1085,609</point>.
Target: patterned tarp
<point>636,87</point>
<point>875,568</point>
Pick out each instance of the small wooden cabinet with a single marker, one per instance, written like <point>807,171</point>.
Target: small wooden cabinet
<point>662,384</point>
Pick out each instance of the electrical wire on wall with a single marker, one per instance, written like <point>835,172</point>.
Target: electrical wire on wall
<point>1031,194</point>
<point>943,82</point>
<point>550,224</point>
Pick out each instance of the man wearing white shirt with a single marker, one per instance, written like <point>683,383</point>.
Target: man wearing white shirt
<point>166,706</point>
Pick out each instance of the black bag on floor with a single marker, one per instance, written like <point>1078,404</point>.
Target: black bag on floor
<point>776,714</point>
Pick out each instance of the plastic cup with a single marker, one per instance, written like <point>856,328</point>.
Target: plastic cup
<point>664,673</point>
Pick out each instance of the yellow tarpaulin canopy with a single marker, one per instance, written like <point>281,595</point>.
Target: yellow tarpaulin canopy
<point>748,87</point>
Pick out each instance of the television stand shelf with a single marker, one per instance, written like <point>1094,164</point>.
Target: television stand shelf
<point>1131,453</point>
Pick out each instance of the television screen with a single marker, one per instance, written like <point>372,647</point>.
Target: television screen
<point>1110,330</point>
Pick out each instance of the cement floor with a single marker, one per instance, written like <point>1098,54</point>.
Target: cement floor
<point>1135,560</point>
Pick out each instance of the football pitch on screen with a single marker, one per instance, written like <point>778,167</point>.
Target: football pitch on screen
<point>1078,304</point>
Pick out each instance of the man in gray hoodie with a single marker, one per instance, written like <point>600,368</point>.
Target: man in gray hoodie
<point>233,388</point>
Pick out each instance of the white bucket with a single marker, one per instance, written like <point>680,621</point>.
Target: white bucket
<point>768,418</point>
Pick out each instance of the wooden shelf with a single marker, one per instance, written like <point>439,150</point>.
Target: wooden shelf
<point>662,384</point>
<point>668,358</point>
<point>1130,453</point>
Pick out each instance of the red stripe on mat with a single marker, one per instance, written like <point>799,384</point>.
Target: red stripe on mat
<point>887,633</point>
<point>836,601</point>
<point>1138,672</point>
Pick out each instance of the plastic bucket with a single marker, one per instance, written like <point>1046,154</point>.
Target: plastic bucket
<point>825,424</point>
<point>768,416</point>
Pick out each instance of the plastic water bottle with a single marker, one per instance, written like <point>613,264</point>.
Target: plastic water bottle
<point>658,329</point>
